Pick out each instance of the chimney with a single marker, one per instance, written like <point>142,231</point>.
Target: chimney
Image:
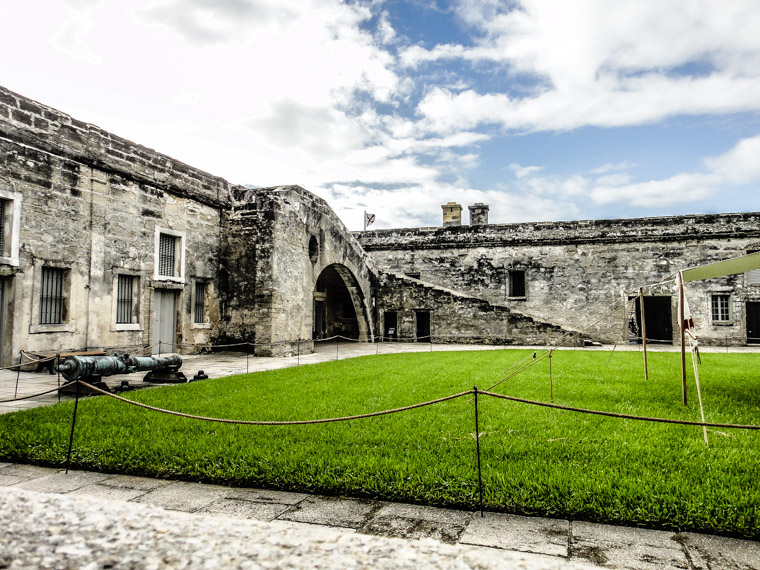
<point>479,214</point>
<point>452,214</point>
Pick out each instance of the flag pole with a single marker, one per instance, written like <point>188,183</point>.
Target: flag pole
<point>365,220</point>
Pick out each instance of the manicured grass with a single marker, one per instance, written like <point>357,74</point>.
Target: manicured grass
<point>535,460</point>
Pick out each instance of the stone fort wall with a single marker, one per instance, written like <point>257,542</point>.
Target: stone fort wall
<point>577,272</point>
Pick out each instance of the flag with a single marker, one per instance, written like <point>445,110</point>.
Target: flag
<point>369,219</point>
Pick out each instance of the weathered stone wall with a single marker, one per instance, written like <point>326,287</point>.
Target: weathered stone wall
<point>455,317</point>
<point>578,272</point>
<point>272,274</point>
<point>92,204</point>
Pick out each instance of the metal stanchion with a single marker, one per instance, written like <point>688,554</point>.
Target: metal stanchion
<point>477,445</point>
<point>73,423</point>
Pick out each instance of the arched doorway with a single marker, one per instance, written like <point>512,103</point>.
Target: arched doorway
<point>338,305</point>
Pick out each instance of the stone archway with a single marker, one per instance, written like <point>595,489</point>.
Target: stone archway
<point>339,307</point>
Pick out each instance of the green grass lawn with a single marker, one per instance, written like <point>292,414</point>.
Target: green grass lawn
<point>535,460</point>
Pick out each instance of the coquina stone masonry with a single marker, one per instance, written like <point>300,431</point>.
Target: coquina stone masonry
<point>110,245</point>
<point>580,275</point>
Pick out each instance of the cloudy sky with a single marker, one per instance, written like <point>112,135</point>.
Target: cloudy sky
<point>543,109</point>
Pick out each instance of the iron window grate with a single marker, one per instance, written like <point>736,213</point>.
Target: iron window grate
<point>51,296</point>
<point>167,248</point>
<point>124,299</point>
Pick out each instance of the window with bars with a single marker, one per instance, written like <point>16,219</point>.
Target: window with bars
<point>721,308</point>
<point>200,302</point>
<point>516,283</point>
<point>167,255</point>
<point>52,305</point>
<point>125,299</point>
<point>3,239</point>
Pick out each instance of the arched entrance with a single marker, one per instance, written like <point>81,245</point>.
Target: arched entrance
<point>338,305</point>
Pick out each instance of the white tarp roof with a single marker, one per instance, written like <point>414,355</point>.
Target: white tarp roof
<point>726,267</point>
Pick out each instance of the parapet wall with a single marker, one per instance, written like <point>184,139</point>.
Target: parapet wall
<point>28,122</point>
<point>643,230</point>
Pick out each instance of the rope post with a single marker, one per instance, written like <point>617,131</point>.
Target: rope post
<point>477,446</point>
<point>298,354</point>
<point>18,374</point>
<point>430,337</point>
<point>337,340</point>
<point>551,378</point>
<point>159,348</point>
<point>377,349</point>
<point>247,352</point>
<point>643,332</point>
<point>58,370</point>
<point>73,423</point>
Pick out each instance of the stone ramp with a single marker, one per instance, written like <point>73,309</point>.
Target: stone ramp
<point>461,316</point>
<point>50,519</point>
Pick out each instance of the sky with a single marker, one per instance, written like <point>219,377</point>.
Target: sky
<point>542,109</point>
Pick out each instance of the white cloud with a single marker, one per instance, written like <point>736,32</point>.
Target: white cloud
<point>739,166</point>
<point>523,171</point>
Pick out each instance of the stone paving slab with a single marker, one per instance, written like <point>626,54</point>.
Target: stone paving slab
<point>514,532</point>
<point>101,491</point>
<point>333,511</point>
<point>267,496</point>
<point>26,472</point>
<point>417,522</point>
<point>62,482</point>
<point>238,508</point>
<point>625,547</point>
<point>181,496</point>
<point>133,482</point>
<point>712,552</point>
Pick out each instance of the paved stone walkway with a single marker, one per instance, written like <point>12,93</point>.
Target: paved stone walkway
<point>510,540</point>
<point>136,522</point>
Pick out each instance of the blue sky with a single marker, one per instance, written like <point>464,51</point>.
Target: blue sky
<point>544,110</point>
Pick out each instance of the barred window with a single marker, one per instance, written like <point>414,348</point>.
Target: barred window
<point>3,205</point>
<point>125,296</point>
<point>167,253</point>
<point>200,302</point>
<point>720,308</point>
<point>51,296</point>
<point>517,283</point>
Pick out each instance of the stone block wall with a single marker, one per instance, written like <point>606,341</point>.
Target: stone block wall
<point>273,275</point>
<point>456,317</point>
<point>91,205</point>
<point>579,275</point>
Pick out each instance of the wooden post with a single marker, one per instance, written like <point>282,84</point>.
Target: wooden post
<point>681,319</point>
<point>643,331</point>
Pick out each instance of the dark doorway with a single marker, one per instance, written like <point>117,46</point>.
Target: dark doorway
<point>753,322</point>
<point>659,320</point>
<point>334,312</point>
<point>423,326</point>
<point>390,324</point>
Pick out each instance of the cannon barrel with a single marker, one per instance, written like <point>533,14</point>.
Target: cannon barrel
<point>76,367</point>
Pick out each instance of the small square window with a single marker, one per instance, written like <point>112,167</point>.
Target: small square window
<point>721,308</point>
<point>52,299</point>
<point>516,283</point>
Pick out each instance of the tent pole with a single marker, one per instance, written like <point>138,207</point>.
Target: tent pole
<point>643,332</point>
<point>681,326</point>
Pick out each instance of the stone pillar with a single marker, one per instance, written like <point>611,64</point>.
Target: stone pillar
<point>478,214</point>
<point>452,214</point>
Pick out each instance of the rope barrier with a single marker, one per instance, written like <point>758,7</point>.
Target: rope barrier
<point>274,423</point>
<point>28,397</point>
<point>617,415</point>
